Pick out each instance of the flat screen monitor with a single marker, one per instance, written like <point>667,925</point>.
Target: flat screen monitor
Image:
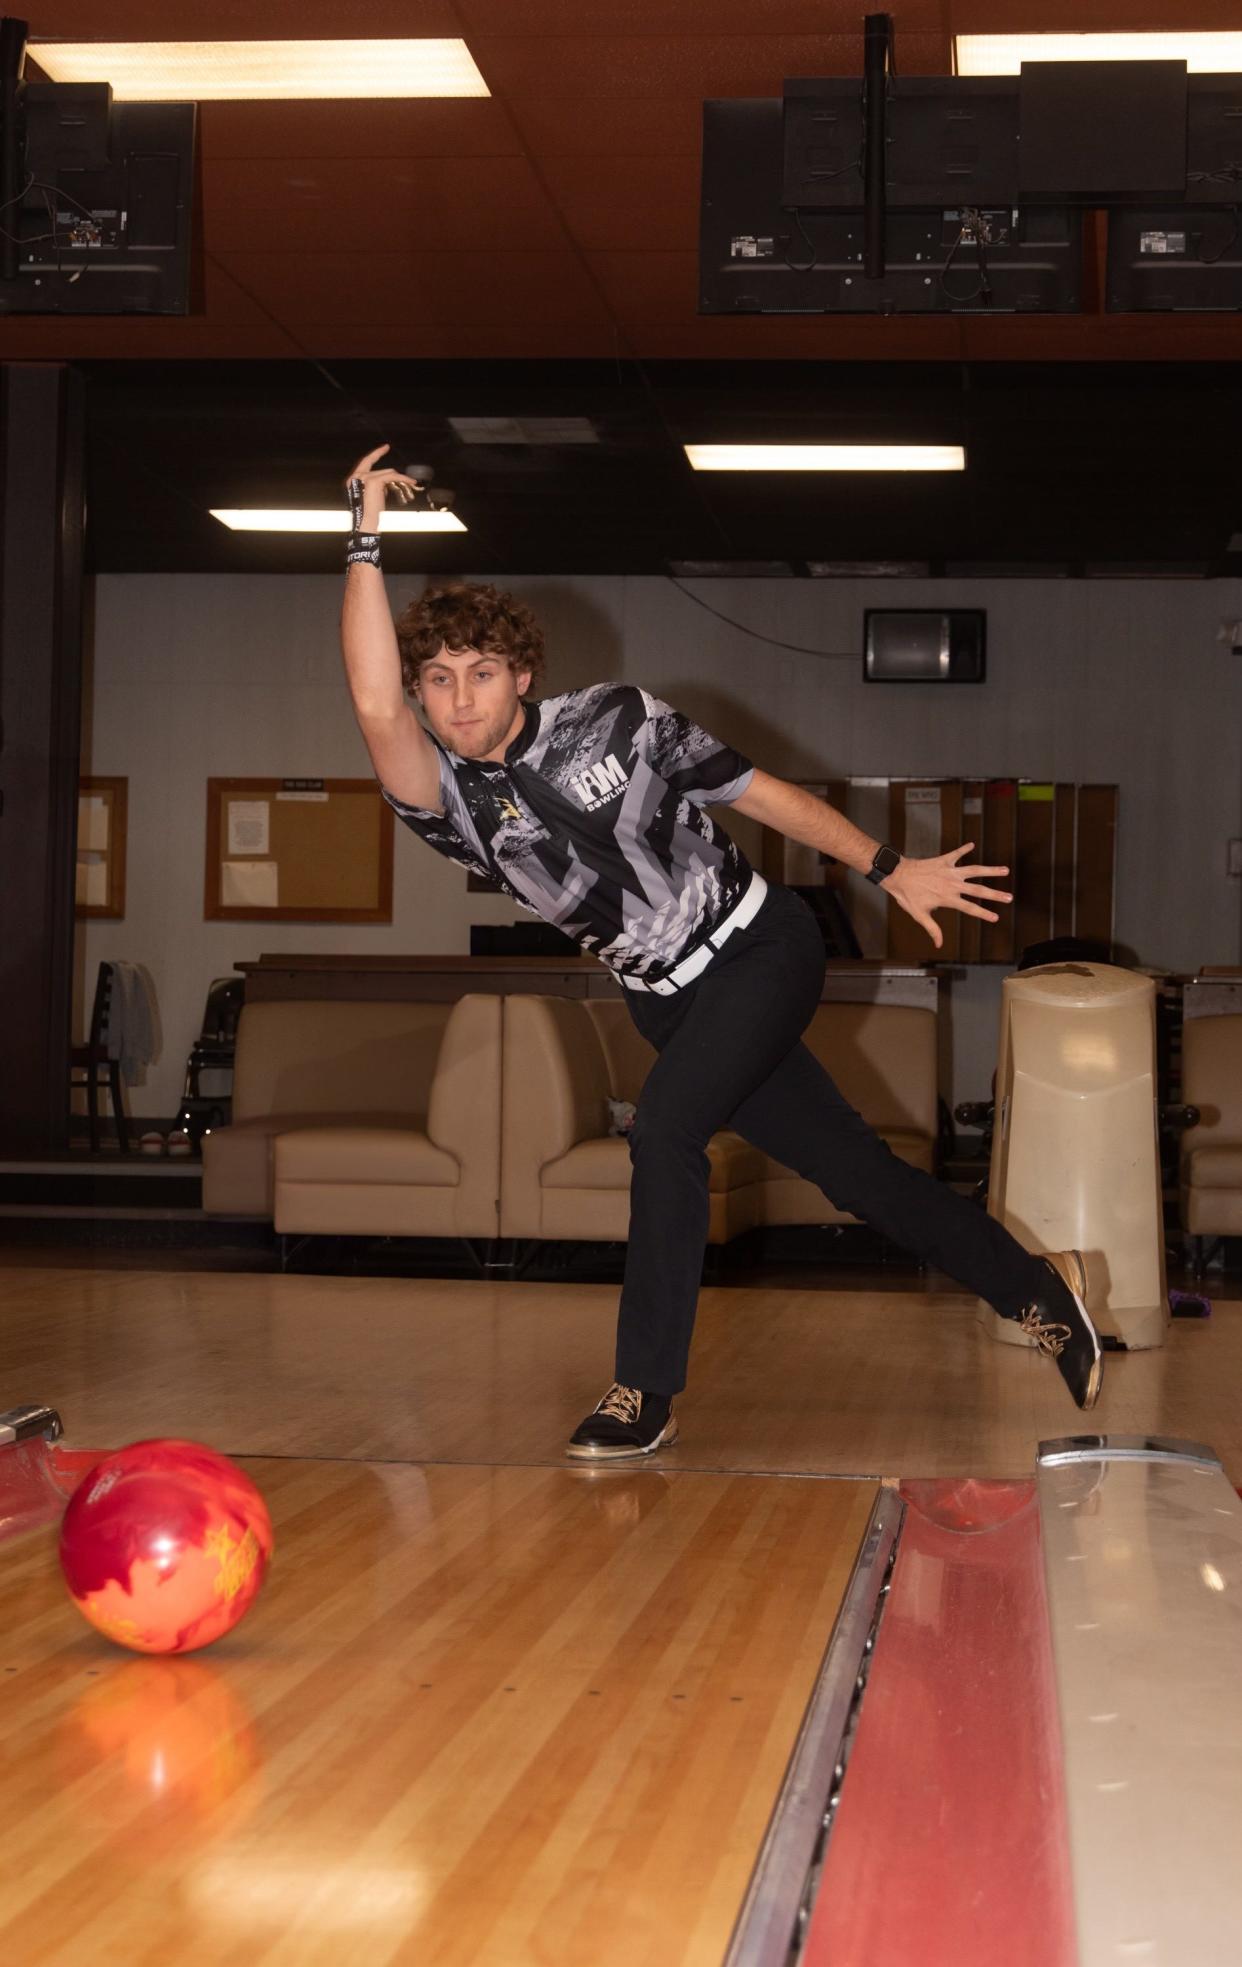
<point>103,222</point>
<point>1174,259</point>
<point>756,257</point>
<point>947,141</point>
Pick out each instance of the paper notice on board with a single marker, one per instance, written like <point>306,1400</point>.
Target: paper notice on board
<point>249,826</point>
<point>248,884</point>
<point>922,820</point>
<point>91,881</point>
<point>93,823</point>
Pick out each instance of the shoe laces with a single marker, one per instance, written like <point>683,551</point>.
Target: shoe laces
<point>621,1403</point>
<point>1050,1338</point>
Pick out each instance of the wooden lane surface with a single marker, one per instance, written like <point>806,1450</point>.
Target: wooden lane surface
<point>479,1717</point>
<point>426,1370</point>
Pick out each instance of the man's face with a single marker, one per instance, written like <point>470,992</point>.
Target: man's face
<point>472,701</point>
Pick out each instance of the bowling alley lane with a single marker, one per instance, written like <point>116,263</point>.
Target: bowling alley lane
<point>477,1716</point>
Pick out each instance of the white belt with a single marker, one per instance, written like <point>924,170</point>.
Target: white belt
<point>693,966</point>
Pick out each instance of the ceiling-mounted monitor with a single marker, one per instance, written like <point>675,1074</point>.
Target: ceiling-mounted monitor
<point>945,142</point>
<point>101,219</point>
<point>757,257</point>
<point>1174,259</point>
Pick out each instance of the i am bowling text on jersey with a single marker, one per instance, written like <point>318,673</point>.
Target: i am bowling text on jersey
<point>599,783</point>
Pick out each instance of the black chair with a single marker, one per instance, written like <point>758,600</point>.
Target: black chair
<point>92,1059</point>
<point>212,1051</point>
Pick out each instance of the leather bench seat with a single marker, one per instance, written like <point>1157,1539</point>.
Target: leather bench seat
<point>1211,1157</point>
<point>1214,1167</point>
<point>376,1150</point>
<point>363,1118</point>
<point>606,1164</point>
<point>563,1176</point>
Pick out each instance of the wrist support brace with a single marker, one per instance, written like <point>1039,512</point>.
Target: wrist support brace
<point>360,548</point>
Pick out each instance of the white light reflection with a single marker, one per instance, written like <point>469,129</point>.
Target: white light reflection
<point>337,1896</point>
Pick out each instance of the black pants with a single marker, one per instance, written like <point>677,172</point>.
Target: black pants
<point>730,1056</point>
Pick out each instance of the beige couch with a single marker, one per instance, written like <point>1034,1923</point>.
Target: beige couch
<point>356,1118</point>
<point>563,1177</point>
<point>1211,1162</point>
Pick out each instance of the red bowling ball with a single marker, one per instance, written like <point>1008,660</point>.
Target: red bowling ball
<point>164,1546</point>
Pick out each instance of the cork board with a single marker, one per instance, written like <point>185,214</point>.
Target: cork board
<point>99,875</point>
<point>298,850</point>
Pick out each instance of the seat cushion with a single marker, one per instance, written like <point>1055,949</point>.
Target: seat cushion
<point>382,1154</point>
<point>1214,1167</point>
<point>605,1163</point>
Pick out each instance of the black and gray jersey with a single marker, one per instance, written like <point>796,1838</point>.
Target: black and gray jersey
<point>595,822</point>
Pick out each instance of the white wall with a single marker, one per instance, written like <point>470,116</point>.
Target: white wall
<point>198,676</point>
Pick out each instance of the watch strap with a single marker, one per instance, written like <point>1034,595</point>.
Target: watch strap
<point>886,862</point>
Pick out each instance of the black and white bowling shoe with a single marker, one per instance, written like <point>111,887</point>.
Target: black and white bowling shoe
<point>1060,1324</point>
<point>626,1423</point>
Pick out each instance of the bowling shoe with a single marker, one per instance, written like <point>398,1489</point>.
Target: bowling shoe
<point>626,1422</point>
<point>1060,1324</point>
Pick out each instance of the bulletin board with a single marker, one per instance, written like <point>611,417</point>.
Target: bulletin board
<point>298,850</point>
<point>1058,840</point>
<point>99,876</point>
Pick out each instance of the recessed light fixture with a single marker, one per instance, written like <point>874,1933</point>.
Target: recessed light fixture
<point>263,71</point>
<point>826,457</point>
<point>264,519</point>
<point>1003,54</point>
<point>525,430</point>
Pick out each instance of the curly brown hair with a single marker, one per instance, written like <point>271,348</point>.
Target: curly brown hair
<point>464,615</point>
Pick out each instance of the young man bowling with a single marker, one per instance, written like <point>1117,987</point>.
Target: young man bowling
<point>590,810</point>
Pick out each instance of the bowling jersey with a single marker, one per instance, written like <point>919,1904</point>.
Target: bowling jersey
<point>594,821</point>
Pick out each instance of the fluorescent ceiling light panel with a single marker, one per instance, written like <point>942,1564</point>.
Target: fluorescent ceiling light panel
<point>1003,54</point>
<point>263,519</point>
<point>826,457</point>
<point>263,71</point>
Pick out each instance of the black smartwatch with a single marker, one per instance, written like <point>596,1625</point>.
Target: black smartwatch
<point>886,862</point>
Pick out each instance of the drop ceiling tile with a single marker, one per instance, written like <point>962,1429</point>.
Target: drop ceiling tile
<point>486,341</point>
<point>378,289</point>
<point>641,204</point>
<point>472,126</point>
<point>617,17</point>
<point>826,338</point>
<point>420,204</point>
<point>126,339</point>
<point>600,126</point>
<point>656,286</point>
<point>1065,17</point>
<point>695,65</point>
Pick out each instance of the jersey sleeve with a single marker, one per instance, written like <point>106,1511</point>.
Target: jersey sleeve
<point>688,758</point>
<point>449,832</point>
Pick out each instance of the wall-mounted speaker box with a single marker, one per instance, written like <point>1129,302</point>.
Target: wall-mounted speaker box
<point>924,645</point>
